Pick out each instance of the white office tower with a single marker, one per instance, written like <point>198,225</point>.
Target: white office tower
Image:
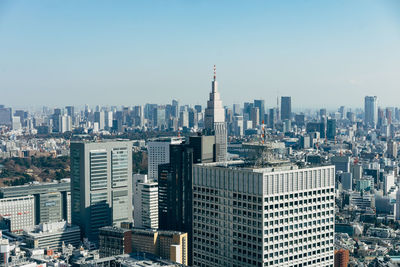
<point>247,216</point>
<point>99,117</point>
<point>145,203</point>
<point>371,110</point>
<point>158,153</point>
<point>65,124</point>
<point>214,121</point>
<point>238,125</point>
<point>108,119</point>
<point>389,185</point>
<point>16,123</point>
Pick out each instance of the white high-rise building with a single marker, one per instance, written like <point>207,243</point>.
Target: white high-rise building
<point>214,121</point>
<point>99,117</point>
<point>65,124</point>
<point>371,110</point>
<point>248,216</point>
<point>145,203</point>
<point>158,153</point>
<point>108,119</point>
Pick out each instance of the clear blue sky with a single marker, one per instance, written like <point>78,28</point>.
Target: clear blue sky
<point>322,53</point>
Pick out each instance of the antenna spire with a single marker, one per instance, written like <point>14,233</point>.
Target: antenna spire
<point>215,73</point>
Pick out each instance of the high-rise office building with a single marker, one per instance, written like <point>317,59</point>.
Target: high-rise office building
<point>236,109</point>
<point>175,108</point>
<point>260,104</point>
<point>238,125</point>
<point>65,124</point>
<point>146,204</point>
<point>108,119</point>
<point>175,184</point>
<point>322,114</point>
<point>331,129</point>
<point>99,117</point>
<point>56,119</point>
<point>371,111</point>
<point>159,117</point>
<point>255,117</point>
<point>101,187</point>
<point>286,108</point>
<point>214,121</point>
<point>158,153</point>
<point>342,163</point>
<point>249,216</point>
<point>272,118</point>
<point>5,116</point>
<point>299,119</point>
<point>391,149</point>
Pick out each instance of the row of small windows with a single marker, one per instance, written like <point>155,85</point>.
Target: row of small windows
<point>296,203</point>
<point>283,245</point>
<point>296,234</point>
<point>299,195</point>
<point>312,214</point>
<point>319,261</point>
<point>297,225</point>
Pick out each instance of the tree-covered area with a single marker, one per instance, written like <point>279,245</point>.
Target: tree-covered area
<point>139,162</point>
<point>17,171</point>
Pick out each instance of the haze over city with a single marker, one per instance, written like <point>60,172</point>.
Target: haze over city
<point>322,53</point>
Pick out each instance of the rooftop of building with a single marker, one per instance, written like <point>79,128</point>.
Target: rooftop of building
<point>114,229</point>
<point>96,140</point>
<point>167,139</point>
<point>147,231</point>
<point>51,228</point>
<point>36,185</point>
<point>134,260</point>
<point>266,167</point>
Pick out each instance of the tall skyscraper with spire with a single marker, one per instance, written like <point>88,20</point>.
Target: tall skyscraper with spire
<point>214,121</point>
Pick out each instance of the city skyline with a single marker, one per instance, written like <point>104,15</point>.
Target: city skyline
<point>62,53</point>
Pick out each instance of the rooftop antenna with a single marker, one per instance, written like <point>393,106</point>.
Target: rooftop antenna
<point>215,73</point>
<point>277,106</point>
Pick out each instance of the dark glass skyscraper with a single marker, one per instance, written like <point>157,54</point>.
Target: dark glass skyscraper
<point>175,184</point>
<point>331,128</point>
<point>286,107</point>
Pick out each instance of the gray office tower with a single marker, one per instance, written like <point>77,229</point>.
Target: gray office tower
<point>214,121</point>
<point>101,188</point>
<point>371,110</point>
<point>5,116</point>
<point>286,108</point>
<point>260,104</point>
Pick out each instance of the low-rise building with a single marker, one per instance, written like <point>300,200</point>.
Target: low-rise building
<point>114,241</point>
<point>53,235</point>
<point>166,244</point>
